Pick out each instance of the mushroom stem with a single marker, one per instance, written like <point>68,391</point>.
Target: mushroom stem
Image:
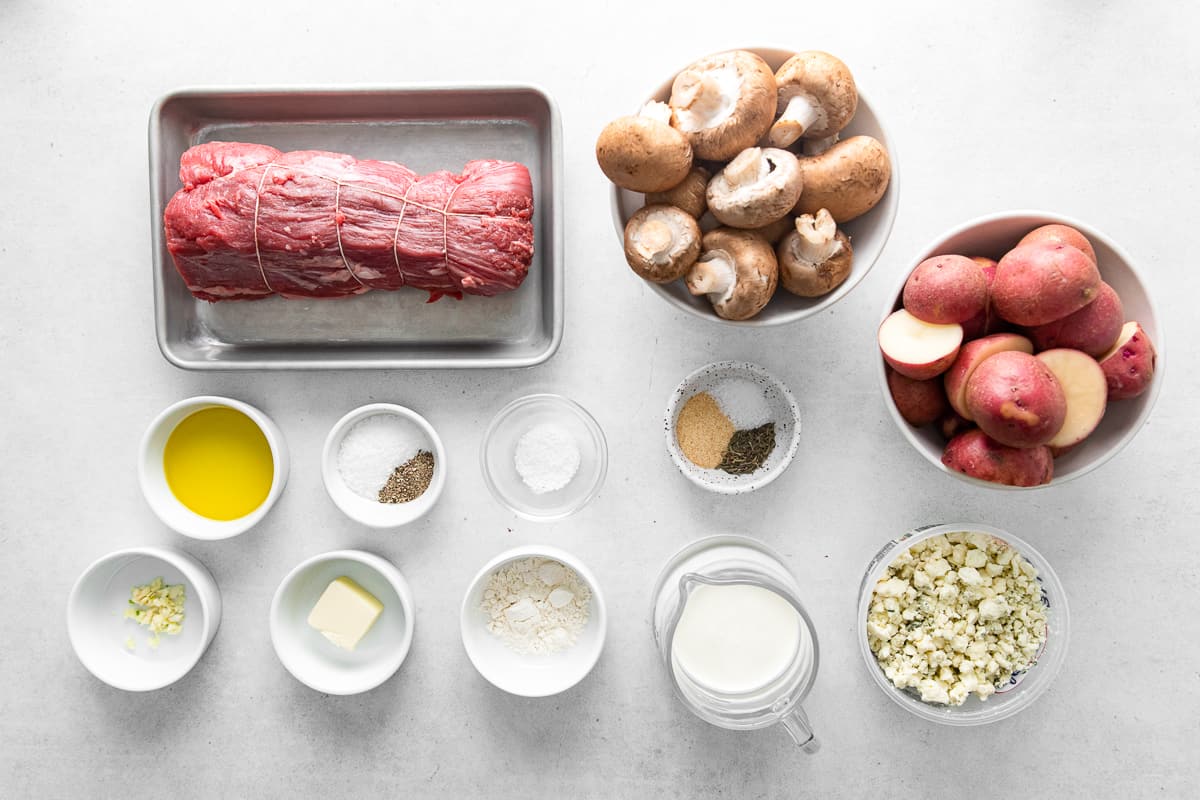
<point>655,240</point>
<point>714,275</point>
<point>818,241</point>
<point>801,112</point>
<point>703,99</point>
<point>746,168</point>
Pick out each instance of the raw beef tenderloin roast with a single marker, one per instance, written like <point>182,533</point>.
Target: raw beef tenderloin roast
<point>251,221</point>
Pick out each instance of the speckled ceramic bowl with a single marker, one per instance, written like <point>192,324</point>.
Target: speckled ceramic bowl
<point>784,412</point>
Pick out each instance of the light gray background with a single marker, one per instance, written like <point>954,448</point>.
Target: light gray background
<point>1085,108</point>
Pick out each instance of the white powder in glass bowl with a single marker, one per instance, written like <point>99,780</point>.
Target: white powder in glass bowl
<point>547,458</point>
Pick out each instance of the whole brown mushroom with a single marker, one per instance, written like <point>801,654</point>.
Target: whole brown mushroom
<point>688,195</point>
<point>737,271</point>
<point>815,258</point>
<point>661,243</point>
<point>816,98</point>
<point>644,153</point>
<point>757,188</point>
<point>724,103</point>
<point>848,179</point>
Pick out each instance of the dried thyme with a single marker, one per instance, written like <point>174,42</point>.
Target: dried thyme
<point>748,450</point>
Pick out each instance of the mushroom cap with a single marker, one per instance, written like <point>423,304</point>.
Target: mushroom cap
<point>825,82</point>
<point>724,103</point>
<point>661,242</point>
<point>688,195</point>
<point>643,154</point>
<point>757,271</point>
<point>814,258</point>
<point>848,179</point>
<point>757,188</point>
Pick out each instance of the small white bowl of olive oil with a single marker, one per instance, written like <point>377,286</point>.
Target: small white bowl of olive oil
<point>212,467</point>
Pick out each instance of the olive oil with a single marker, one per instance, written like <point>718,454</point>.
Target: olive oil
<point>218,463</point>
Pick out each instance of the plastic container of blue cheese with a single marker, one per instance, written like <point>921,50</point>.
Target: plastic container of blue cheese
<point>1024,687</point>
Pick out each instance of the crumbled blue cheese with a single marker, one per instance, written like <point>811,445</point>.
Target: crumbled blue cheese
<point>956,614</point>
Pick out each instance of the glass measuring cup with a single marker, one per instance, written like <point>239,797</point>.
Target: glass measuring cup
<point>703,585</point>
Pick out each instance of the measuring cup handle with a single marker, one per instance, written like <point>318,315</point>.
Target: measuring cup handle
<point>798,727</point>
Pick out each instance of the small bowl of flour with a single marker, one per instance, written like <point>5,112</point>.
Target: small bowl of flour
<point>544,457</point>
<point>533,621</point>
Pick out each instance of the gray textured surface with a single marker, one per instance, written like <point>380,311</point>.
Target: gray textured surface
<point>1080,107</point>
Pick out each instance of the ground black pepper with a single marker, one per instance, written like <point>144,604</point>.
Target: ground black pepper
<point>409,480</point>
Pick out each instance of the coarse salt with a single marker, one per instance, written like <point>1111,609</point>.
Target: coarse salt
<point>743,401</point>
<point>373,448</point>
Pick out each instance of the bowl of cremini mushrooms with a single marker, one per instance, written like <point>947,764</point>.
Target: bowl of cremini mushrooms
<point>755,187</point>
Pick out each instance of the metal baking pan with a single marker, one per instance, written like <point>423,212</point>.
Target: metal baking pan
<point>423,127</point>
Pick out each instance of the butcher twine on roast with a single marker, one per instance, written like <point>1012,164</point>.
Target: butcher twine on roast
<point>251,221</point>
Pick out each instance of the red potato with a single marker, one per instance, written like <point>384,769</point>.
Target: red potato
<point>916,349</point>
<point>1056,233</point>
<point>1129,365</point>
<point>1092,329</point>
<point>986,321</point>
<point>1039,283</point>
<point>946,289</point>
<point>976,454</point>
<point>919,402</point>
<point>1015,399</point>
<point>970,356</point>
<point>1086,390</point>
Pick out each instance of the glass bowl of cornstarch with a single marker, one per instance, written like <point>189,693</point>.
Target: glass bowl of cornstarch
<point>544,457</point>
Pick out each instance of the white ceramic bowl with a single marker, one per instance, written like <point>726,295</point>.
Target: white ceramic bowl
<point>154,482</point>
<point>538,675</point>
<point>785,414</point>
<point>314,660</point>
<point>371,512</point>
<point>993,235</point>
<point>868,234</point>
<point>1024,688</point>
<point>497,455</point>
<point>98,629</point>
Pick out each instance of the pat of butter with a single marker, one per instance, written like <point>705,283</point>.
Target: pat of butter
<point>345,613</point>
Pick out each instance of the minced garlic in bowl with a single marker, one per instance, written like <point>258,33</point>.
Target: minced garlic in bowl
<point>157,606</point>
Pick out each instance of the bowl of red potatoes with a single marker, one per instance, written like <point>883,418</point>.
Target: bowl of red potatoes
<point>1022,349</point>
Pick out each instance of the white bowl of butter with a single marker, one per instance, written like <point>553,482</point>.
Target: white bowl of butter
<point>342,622</point>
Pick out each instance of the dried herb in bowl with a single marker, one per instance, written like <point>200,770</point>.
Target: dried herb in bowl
<point>748,450</point>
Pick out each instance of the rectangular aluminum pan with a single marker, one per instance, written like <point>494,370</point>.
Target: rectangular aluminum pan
<point>426,128</point>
